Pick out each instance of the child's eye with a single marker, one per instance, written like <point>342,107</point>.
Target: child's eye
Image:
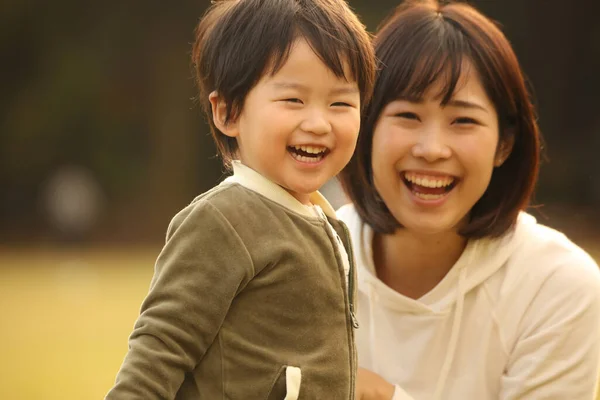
<point>408,115</point>
<point>465,121</point>
<point>293,100</point>
<point>341,104</point>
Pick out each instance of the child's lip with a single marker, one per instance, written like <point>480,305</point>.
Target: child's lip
<point>310,149</point>
<point>321,146</point>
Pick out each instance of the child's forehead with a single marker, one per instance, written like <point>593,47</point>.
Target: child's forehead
<point>312,80</point>
<point>301,58</point>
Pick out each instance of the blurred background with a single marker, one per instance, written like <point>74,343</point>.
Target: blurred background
<point>102,142</point>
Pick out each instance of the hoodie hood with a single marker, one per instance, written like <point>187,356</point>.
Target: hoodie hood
<point>480,260</point>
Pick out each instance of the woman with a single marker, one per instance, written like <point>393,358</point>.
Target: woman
<point>462,295</point>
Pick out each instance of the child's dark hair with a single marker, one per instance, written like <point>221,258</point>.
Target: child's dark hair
<point>239,41</point>
<point>423,42</point>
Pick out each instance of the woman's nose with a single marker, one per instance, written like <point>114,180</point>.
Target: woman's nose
<point>431,146</point>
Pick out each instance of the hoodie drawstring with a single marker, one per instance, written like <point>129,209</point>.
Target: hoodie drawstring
<point>454,334</point>
<point>445,371</point>
<point>372,341</point>
<point>452,344</point>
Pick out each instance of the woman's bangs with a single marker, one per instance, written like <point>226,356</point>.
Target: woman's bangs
<point>414,65</point>
<point>441,68</point>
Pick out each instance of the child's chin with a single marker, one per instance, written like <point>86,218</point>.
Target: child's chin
<point>303,191</point>
<point>307,190</point>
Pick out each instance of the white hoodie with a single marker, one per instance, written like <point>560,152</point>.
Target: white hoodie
<point>515,318</point>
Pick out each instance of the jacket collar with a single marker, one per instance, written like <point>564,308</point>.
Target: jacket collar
<point>256,182</point>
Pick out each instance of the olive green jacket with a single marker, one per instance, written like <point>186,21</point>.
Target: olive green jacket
<point>249,300</point>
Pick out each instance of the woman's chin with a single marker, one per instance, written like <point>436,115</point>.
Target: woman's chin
<point>429,225</point>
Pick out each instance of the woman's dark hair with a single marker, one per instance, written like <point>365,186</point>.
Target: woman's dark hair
<point>423,42</point>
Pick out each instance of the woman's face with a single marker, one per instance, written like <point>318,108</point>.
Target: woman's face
<point>432,163</point>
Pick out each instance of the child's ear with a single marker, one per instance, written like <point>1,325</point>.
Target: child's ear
<point>219,113</point>
<point>504,149</point>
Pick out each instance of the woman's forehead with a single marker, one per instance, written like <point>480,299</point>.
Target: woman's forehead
<point>440,82</point>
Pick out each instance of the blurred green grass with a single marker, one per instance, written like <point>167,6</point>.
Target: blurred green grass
<point>67,316</point>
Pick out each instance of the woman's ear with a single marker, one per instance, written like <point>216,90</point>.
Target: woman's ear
<point>219,114</point>
<point>504,149</point>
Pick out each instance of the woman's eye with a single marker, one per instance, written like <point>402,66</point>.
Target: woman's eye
<point>408,115</point>
<point>465,120</point>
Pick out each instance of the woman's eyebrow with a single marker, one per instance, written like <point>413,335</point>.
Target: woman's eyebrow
<point>467,104</point>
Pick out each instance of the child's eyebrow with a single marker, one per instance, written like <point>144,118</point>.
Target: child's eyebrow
<point>289,85</point>
<point>350,89</point>
<point>346,90</point>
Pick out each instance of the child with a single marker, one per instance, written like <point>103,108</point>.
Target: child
<point>252,296</point>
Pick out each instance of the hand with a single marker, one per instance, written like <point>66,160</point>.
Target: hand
<point>370,386</point>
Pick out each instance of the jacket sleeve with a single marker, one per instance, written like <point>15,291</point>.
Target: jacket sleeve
<point>557,354</point>
<point>201,268</point>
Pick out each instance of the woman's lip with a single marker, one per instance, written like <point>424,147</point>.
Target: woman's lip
<point>428,173</point>
<point>415,178</point>
<point>424,202</point>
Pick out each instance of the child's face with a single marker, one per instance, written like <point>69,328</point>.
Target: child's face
<point>299,126</point>
<point>432,163</point>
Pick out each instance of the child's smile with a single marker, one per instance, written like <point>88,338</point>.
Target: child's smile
<point>308,154</point>
<point>299,126</point>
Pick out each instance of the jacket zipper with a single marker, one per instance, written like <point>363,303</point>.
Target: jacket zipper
<point>353,320</point>
<point>351,282</point>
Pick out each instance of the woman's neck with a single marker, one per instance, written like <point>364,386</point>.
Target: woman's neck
<point>413,264</point>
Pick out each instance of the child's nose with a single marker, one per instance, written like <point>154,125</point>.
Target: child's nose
<point>316,123</point>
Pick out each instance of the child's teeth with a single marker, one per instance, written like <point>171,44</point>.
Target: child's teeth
<point>307,159</point>
<point>310,149</point>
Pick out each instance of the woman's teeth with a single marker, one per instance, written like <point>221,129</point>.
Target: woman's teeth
<point>429,180</point>
<point>427,196</point>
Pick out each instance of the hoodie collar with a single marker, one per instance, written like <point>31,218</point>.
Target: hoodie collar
<point>481,259</point>
<point>256,182</point>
